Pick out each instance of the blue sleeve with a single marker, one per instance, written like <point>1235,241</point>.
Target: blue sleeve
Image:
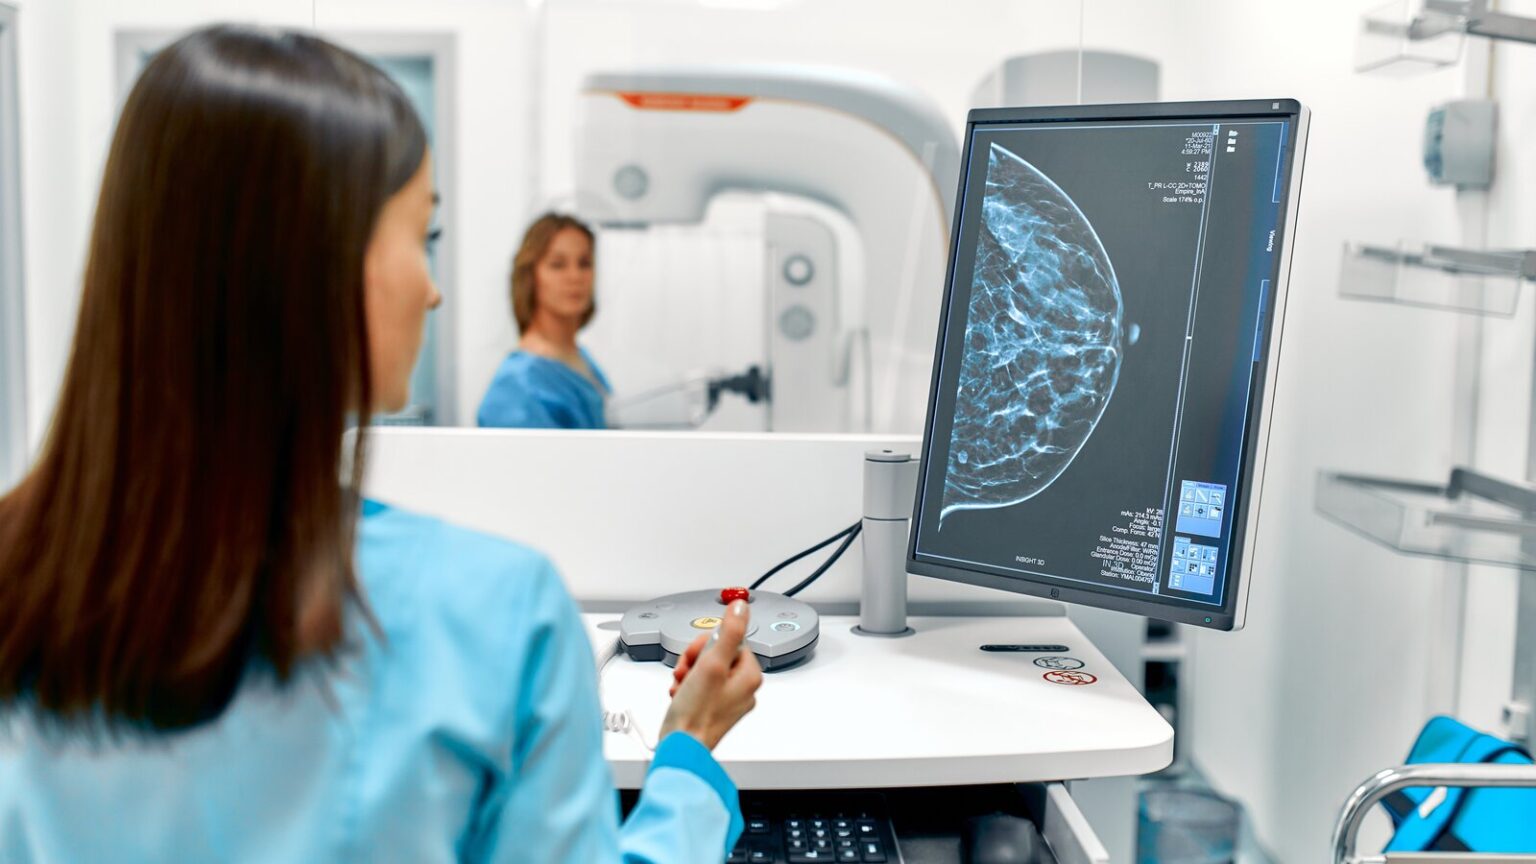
<point>559,804</point>
<point>673,782</point>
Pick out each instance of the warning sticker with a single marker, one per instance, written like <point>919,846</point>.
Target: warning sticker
<point>1075,679</point>
<point>1059,663</point>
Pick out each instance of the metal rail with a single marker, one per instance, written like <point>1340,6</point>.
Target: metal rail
<point>1369,793</point>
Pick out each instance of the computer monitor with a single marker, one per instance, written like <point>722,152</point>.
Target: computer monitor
<point>1107,350</point>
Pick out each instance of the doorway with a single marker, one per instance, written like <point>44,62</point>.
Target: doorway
<point>13,390</point>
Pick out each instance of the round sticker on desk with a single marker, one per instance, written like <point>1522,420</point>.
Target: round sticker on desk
<point>1075,679</point>
<point>1059,663</point>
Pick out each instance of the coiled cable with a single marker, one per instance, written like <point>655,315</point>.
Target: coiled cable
<point>622,722</point>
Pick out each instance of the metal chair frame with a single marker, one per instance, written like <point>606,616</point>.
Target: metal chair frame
<point>1369,793</point>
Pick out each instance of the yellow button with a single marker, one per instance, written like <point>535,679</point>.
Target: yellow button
<point>706,623</point>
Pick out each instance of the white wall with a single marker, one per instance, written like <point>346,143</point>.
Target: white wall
<point>1347,652</point>
<point>50,191</point>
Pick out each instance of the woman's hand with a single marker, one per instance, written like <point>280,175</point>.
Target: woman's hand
<point>684,663</point>
<point>714,684</point>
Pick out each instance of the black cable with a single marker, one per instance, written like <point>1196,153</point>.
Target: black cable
<point>827,564</point>
<point>822,545</point>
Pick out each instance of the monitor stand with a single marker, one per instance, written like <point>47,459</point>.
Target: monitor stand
<point>890,486</point>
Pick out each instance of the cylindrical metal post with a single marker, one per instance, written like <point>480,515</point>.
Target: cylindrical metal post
<point>890,482</point>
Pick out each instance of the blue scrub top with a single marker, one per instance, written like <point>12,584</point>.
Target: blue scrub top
<point>470,732</point>
<point>534,392</point>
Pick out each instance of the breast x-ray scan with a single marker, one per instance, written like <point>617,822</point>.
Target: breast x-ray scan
<point>1107,351</point>
<point>1043,337</point>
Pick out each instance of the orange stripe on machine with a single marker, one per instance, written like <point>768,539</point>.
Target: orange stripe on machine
<point>685,102</point>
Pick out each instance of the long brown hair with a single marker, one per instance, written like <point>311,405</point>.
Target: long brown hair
<point>187,520</point>
<point>536,242</point>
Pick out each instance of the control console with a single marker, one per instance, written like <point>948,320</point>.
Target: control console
<point>783,631</point>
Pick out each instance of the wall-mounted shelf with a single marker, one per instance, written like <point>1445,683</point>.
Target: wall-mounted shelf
<point>1393,38</point>
<point>1473,518</point>
<point>1483,282</point>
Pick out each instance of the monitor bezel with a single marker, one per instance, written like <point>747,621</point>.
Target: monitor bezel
<point>1232,614</point>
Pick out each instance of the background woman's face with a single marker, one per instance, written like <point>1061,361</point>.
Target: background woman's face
<point>398,289</point>
<point>563,277</point>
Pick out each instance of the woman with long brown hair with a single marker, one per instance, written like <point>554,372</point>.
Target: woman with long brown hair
<point>210,646</point>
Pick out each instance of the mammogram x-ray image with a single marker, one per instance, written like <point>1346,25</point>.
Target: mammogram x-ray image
<point>1042,341</point>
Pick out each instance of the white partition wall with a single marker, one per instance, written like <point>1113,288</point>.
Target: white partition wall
<point>628,516</point>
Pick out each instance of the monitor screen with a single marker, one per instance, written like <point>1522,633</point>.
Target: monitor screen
<point>1106,356</point>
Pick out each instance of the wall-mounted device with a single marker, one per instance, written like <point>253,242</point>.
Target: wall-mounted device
<point>1459,141</point>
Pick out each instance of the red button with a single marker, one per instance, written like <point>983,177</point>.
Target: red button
<point>730,595</point>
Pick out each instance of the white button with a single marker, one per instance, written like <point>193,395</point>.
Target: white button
<point>798,270</point>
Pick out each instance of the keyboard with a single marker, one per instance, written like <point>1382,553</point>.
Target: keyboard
<point>801,828</point>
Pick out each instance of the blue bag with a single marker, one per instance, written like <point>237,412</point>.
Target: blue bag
<point>1446,819</point>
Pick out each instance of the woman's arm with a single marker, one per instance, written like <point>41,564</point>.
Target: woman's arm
<point>558,803</point>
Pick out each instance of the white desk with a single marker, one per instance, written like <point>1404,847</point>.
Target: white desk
<point>926,710</point>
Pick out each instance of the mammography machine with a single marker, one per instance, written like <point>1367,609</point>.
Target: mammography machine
<point>657,146</point>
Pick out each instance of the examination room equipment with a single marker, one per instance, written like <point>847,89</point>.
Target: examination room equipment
<point>783,631</point>
<point>1066,339</point>
<point>1099,415</point>
<point>657,146</point>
